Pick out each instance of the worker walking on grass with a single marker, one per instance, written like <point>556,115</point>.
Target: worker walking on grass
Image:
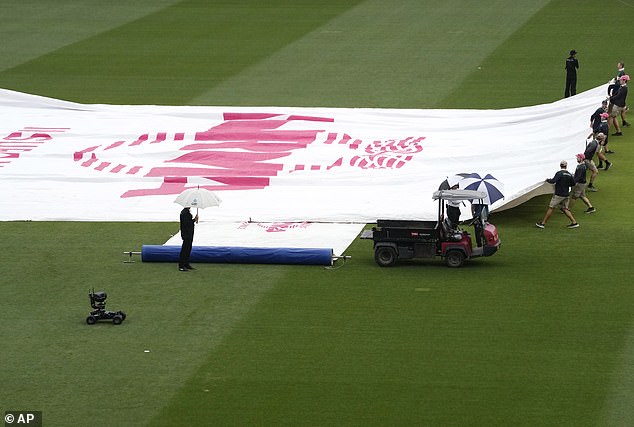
<point>563,181</point>
<point>592,148</point>
<point>579,190</point>
<point>618,101</point>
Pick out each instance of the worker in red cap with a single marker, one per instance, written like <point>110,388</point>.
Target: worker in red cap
<point>595,118</point>
<point>579,190</point>
<point>618,104</point>
<point>615,83</point>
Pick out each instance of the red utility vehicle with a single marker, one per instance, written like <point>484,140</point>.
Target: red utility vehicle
<point>403,239</point>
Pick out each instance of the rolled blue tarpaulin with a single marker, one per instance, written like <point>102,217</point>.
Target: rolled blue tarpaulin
<point>240,255</point>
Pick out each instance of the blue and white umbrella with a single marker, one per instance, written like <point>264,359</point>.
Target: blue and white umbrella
<point>493,188</point>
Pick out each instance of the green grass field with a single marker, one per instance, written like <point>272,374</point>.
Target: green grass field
<point>541,334</point>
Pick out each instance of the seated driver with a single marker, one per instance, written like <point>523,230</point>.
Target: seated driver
<point>453,210</point>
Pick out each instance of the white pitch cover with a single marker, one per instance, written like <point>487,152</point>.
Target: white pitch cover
<point>87,162</point>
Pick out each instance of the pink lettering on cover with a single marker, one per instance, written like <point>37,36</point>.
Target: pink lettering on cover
<point>26,139</point>
<point>245,152</point>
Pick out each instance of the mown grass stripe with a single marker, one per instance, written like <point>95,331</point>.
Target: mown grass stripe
<point>29,31</point>
<point>406,54</point>
<point>172,55</point>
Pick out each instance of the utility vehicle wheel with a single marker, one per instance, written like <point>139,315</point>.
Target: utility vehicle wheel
<point>91,320</point>
<point>117,319</point>
<point>454,258</point>
<point>385,256</point>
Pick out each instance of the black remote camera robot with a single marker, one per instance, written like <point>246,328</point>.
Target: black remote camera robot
<point>98,302</point>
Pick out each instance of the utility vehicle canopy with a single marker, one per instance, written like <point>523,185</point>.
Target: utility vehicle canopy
<point>459,195</point>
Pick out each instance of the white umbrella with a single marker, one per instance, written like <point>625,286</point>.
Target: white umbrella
<point>198,198</point>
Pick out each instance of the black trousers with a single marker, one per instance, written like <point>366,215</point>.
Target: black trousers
<point>453,213</point>
<point>571,86</point>
<point>186,250</point>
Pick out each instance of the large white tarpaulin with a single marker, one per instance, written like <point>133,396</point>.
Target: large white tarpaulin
<point>67,161</point>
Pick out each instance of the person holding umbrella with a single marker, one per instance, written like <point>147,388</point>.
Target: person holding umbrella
<point>187,222</point>
<point>493,189</point>
<point>192,198</point>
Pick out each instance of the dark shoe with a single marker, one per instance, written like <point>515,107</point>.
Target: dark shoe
<point>592,188</point>
<point>617,134</point>
<point>573,225</point>
<point>600,165</point>
<point>540,225</point>
<point>608,165</point>
<point>627,124</point>
<point>182,269</point>
<point>609,152</point>
<point>189,267</point>
<point>591,210</point>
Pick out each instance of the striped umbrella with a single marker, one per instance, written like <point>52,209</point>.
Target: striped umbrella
<point>493,188</point>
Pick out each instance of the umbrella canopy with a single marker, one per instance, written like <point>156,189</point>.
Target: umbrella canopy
<point>198,198</point>
<point>493,188</point>
<point>452,180</point>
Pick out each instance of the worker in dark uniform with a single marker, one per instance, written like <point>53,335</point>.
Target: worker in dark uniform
<point>595,118</point>
<point>563,181</point>
<point>618,104</point>
<point>571,74</point>
<point>187,234</point>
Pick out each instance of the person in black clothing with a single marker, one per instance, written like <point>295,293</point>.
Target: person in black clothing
<point>563,180</point>
<point>480,212</point>
<point>453,209</point>
<point>618,104</point>
<point>592,148</point>
<point>598,145</point>
<point>571,74</point>
<point>615,83</point>
<point>187,234</point>
<point>604,128</point>
<point>603,145</point>
<point>614,87</point>
<point>579,190</point>
<point>595,118</point>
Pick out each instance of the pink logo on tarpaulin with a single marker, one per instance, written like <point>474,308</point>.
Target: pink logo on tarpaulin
<point>15,144</point>
<point>275,227</point>
<point>278,227</point>
<point>245,152</point>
